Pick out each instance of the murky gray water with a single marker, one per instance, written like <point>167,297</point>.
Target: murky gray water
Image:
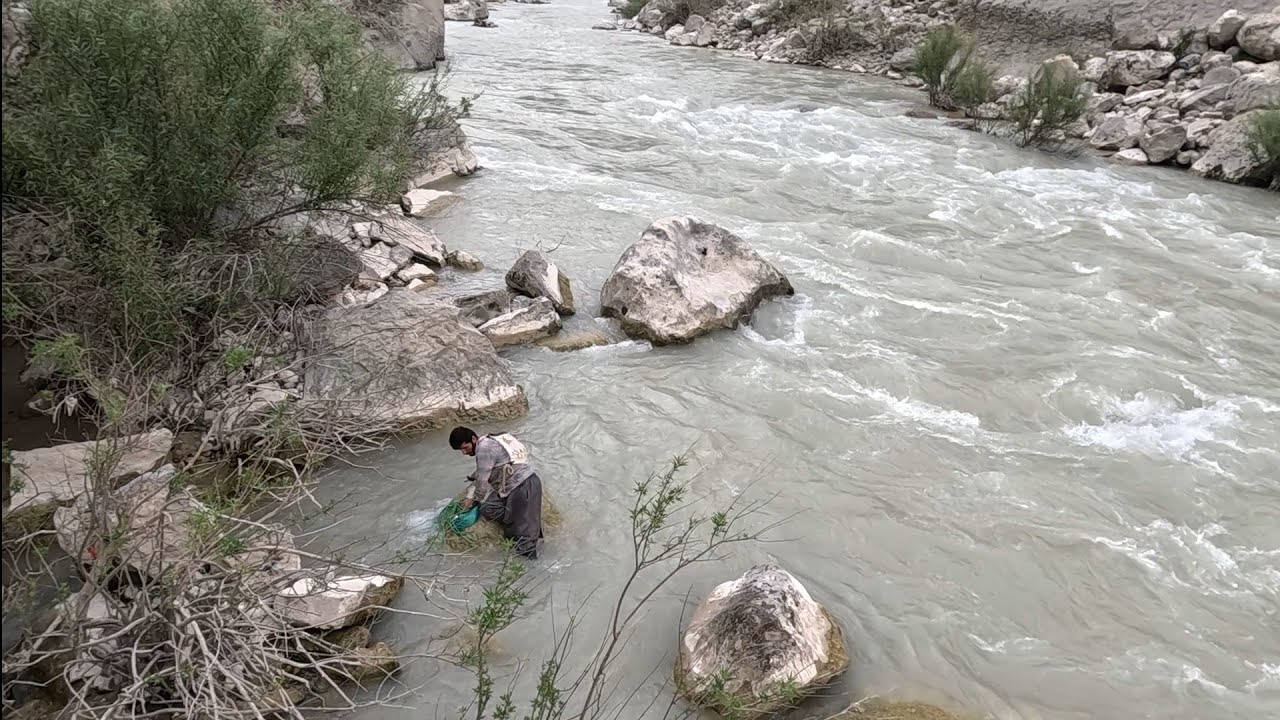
<point>1026,408</point>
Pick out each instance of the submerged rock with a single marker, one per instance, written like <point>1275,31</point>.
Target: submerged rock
<point>406,360</point>
<point>685,278</point>
<point>570,339</point>
<point>759,634</point>
<point>465,261</point>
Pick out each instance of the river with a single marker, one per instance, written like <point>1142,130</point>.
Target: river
<point>1024,409</point>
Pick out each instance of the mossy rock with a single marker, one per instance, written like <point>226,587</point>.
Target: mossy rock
<point>879,709</point>
<point>487,534</point>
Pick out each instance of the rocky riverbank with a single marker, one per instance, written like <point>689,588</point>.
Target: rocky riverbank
<point>1185,98</point>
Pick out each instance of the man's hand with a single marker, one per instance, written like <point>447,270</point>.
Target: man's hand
<point>467,503</point>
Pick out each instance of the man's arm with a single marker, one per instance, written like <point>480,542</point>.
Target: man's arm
<point>486,458</point>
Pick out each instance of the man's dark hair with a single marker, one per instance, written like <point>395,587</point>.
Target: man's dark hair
<point>461,435</point>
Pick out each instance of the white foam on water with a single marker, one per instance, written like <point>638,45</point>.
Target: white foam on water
<point>1183,556</point>
<point>1084,269</point>
<point>421,523</point>
<point>1192,674</point>
<point>803,309</point>
<point>925,413</point>
<point>1021,644</point>
<point>1155,424</point>
<point>1270,676</point>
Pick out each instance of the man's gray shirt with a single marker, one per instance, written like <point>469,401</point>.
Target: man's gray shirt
<point>492,464</point>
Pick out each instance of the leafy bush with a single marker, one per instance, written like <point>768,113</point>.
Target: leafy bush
<point>1041,112</point>
<point>632,8</point>
<point>952,72</point>
<point>138,121</point>
<point>828,32</point>
<point>972,84</point>
<point>1264,141</point>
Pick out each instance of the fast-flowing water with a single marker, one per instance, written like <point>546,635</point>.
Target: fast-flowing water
<point>1024,410</point>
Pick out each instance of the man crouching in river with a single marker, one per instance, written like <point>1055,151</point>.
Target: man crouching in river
<point>507,488</point>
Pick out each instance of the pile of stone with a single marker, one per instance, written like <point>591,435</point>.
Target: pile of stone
<point>1150,105</point>
<point>749,27</point>
<point>152,525</point>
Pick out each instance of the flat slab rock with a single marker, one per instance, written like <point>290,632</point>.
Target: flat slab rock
<point>537,319</point>
<point>45,478</point>
<point>761,630</point>
<point>330,603</point>
<point>407,360</point>
<point>686,278</point>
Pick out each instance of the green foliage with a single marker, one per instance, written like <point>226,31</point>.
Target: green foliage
<point>236,358</point>
<point>66,353</point>
<point>1041,112</point>
<point>1186,37</point>
<point>952,73</point>
<point>1264,141</point>
<point>973,81</point>
<point>632,8</point>
<point>828,30</point>
<point>718,693</point>
<point>666,540</point>
<point>137,121</point>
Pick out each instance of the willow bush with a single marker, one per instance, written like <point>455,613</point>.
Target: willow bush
<point>1040,113</point>
<point>1264,142</point>
<point>954,75</point>
<point>136,122</point>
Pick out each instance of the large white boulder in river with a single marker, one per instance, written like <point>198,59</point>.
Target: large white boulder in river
<point>762,632</point>
<point>685,278</point>
<point>406,360</point>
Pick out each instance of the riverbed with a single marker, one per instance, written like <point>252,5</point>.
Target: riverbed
<point>1022,415</point>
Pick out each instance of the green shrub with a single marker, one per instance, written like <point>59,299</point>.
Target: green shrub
<point>827,30</point>
<point>1264,141</point>
<point>1041,112</point>
<point>137,121</point>
<point>632,8</point>
<point>952,72</point>
<point>973,81</point>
